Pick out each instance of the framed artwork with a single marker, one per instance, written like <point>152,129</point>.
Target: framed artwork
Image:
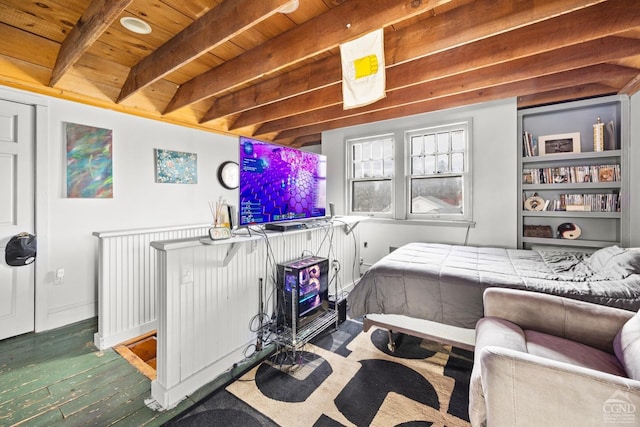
<point>559,144</point>
<point>176,167</point>
<point>89,161</point>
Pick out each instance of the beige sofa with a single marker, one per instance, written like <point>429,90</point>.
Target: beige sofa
<point>544,360</point>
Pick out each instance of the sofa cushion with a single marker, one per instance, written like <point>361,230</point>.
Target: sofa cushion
<point>572,352</point>
<point>626,345</point>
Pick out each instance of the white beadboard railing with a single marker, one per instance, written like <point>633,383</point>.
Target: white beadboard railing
<point>207,298</point>
<point>127,283</point>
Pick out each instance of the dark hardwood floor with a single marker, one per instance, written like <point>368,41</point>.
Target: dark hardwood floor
<point>59,378</point>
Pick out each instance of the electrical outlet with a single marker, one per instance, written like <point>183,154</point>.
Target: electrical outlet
<point>186,274</point>
<point>59,278</point>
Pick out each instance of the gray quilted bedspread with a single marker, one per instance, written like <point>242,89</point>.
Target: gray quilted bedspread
<point>444,283</point>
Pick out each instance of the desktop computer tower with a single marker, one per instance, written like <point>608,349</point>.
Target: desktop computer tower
<point>302,290</point>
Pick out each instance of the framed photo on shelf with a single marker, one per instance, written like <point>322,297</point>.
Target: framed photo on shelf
<point>559,144</point>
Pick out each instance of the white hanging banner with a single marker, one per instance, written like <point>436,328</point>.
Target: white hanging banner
<point>363,74</point>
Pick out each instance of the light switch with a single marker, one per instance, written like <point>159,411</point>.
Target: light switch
<point>186,274</point>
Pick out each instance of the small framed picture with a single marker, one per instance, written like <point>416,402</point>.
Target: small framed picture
<point>559,144</point>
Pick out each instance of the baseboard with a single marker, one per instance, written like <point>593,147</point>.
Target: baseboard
<point>105,341</point>
<point>63,316</point>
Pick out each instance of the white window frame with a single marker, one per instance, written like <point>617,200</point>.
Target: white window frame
<point>401,181</point>
<point>465,175</point>
<point>351,180</point>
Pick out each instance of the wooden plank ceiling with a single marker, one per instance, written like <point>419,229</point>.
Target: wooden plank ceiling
<point>244,67</point>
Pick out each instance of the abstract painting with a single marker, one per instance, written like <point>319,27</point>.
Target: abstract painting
<point>89,162</point>
<point>176,167</point>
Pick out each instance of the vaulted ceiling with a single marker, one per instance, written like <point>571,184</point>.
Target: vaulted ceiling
<point>245,67</point>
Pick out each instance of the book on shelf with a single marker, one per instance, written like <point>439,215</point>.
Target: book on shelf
<point>607,202</point>
<point>572,174</point>
<point>604,202</point>
<point>579,208</point>
<point>529,145</point>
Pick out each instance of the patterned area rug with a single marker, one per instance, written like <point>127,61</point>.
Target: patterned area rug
<point>346,378</point>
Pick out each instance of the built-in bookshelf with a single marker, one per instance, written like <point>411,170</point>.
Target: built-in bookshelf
<point>573,173</point>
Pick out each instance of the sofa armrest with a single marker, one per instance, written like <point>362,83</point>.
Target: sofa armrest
<point>591,324</point>
<point>525,390</point>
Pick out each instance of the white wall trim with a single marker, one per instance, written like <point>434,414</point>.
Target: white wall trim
<point>62,316</point>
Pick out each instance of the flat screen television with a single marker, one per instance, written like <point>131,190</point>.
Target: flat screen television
<point>279,183</point>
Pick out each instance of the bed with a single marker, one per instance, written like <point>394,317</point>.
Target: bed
<point>444,283</point>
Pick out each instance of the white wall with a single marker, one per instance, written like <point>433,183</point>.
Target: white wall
<point>494,168</point>
<point>634,171</point>
<point>138,201</point>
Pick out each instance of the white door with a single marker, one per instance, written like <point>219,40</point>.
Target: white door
<point>17,299</point>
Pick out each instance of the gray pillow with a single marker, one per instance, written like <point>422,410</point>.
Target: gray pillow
<point>615,262</point>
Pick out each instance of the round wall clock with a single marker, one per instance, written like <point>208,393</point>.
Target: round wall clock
<point>228,175</point>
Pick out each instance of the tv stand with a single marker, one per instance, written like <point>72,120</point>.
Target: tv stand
<point>295,340</point>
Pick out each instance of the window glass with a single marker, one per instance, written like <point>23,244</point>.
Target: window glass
<point>457,162</point>
<point>417,166</point>
<point>443,142</point>
<point>372,170</point>
<point>457,140</point>
<point>388,168</point>
<point>441,195</point>
<point>430,143</point>
<point>430,165</point>
<point>417,145</point>
<point>443,163</point>
<point>438,174</point>
<point>371,196</point>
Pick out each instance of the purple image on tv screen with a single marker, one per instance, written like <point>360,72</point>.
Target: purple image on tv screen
<point>280,183</point>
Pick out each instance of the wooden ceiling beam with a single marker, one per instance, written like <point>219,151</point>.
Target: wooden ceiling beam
<point>308,78</point>
<point>217,26</point>
<point>333,117</point>
<point>311,38</point>
<point>434,35</point>
<point>306,140</point>
<point>557,61</point>
<point>94,21</point>
<point>576,92</point>
<point>632,86</point>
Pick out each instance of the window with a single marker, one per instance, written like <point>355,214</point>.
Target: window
<point>371,172</point>
<point>439,185</point>
<point>434,163</point>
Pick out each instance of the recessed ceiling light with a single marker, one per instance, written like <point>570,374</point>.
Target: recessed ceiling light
<point>292,6</point>
<point>136,25</point>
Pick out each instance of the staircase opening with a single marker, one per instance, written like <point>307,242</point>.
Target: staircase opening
<point>141,353</point>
